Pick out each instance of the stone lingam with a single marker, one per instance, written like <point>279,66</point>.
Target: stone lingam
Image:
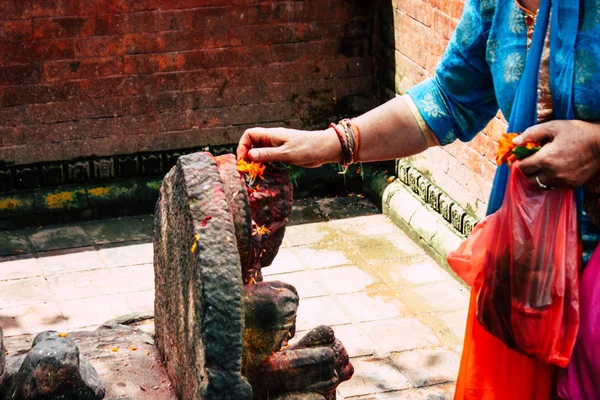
<point>222,331</point>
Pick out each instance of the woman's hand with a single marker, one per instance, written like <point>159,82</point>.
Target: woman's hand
<point>303,148</point>
<point>569,157</point>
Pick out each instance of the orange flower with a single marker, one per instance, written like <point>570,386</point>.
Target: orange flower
<point>505,147</point>
<point>532,145</point>
<point>252,170</point>
<point>259,230</point>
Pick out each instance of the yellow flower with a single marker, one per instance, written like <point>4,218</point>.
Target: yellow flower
<point>252,170</point>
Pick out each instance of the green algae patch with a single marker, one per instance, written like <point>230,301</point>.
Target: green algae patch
<point>16,204</point>
<point>10,203</point>
<point>66,198</point>
<point>122,192</point>
<point>154,185</point>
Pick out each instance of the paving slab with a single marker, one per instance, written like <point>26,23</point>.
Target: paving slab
<point>19,267</point>
<point>354,279</point>
<point>69,260</point>
<point>373,375</point>
<point>58,237</point>
<point>14,242</point>
<point>400,334</point>
<point>120,230</point>
<point>426,367</point>
<point>124,255</point>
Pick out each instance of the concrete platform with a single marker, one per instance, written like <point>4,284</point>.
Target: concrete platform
<point>398,312</point>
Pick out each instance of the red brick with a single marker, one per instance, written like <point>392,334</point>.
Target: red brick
<point>16,94</point>
<point>453,8</point>
<point>65,27</point>
<point>115,86</point>
<point>117,24</point>
<point>16,30</point>
<point>174,20</point>
<point>408,68</point>
<point>82,69</point>
<point>444,24</point>
<point>37,50</point>
<point>413,39</point>
<point>70,111</point>
<point>123,6</point>
<point>38,9</point>
<point>99,46</point>
<point>20,74</point>
<point>495,129</point>
<point>418,10</point>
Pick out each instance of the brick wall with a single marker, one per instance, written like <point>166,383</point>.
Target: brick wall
<point>410,40</point>
<point>82,78</point>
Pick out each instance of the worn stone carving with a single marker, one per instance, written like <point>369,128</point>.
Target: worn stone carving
<point>198,284</point>
<point>52,369</point>
<point>223,332</point>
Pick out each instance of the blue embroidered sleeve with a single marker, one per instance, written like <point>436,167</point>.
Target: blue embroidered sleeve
<point>460,100</point>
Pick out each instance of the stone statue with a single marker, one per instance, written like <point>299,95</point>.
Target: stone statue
<point>51,369</point>
<point>224,332</point>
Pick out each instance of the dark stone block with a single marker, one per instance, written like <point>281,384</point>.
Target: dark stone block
<point>127,166</point>
<point>79,171</point>
<point>6,180</point>
<point>445,207</point>
<point>457,215</point>
<point>424,188</point>
<point>403,173</point>
<point>52,369</point>
<point>469,223</point>
<point>104,168</point>
<point>152,164</point>
<point>27,177</point>
<point>172,158</point>
<point>433,197</point>
<point>413,179</point>
<point>53,175</point>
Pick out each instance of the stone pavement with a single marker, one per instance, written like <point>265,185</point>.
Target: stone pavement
<point>400,315</point>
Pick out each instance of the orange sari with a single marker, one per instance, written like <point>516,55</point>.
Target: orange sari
<point>491,371</point>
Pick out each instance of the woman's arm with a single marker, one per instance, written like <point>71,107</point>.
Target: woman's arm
<point>387,132</point>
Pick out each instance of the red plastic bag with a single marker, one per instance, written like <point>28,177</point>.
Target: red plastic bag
<point>523,263</point>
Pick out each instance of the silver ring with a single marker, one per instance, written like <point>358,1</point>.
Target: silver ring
<point>540,184</point>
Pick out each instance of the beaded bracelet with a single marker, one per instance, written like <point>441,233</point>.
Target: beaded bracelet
<point>345,160</point>
<point>349,137</point>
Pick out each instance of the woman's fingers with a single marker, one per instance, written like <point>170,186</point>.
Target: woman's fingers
<point>538,133</point>
<point>263,138</point>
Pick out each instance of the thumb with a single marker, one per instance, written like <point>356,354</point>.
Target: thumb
<point>536,133</point>
<point>266,154</point>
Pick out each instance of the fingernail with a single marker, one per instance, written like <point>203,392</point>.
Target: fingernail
<point>518,140</point>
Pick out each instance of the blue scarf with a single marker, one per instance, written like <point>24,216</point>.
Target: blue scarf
<point>563,32</point>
